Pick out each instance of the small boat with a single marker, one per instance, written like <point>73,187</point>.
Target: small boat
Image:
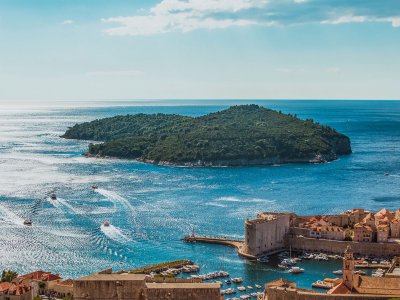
<point>257,286</point>
<point>280,266</point>
<point>244,297</point>
<point>53,197</point>
<point>387,174</point>
<point>249,287</point>
<point>28,223</point>
<point>338,272</point>
<point>241,288</point>
<point>237,280</point>
<point>296,270</point>
<point>106,224</point>
<point>321,285</point>
<point>228,281</point>
<point>95,187</point>
<point>263,259</point>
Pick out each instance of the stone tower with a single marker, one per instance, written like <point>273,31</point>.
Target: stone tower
<point>348,267</point>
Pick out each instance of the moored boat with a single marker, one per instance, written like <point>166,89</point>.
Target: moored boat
<point>296,270</point>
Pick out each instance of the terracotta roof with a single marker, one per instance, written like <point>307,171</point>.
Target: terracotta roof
<point>41,276</point>
<point>377,285</point>
<point>16,289</point>
<point>4,286</point>
<point>382,212</point>
<point>339,289</point>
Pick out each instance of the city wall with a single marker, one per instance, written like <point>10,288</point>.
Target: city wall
<point>279,293</point>
<point>338,247</point>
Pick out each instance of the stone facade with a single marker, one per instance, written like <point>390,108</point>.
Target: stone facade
<point>266,233</point>
<point>338,247</point>
<point>110,286</point>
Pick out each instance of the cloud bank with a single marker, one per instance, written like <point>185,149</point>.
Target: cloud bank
<point>189,15</point>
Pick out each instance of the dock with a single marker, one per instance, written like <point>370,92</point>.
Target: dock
<point>372,266</point>
<point>238,244</point>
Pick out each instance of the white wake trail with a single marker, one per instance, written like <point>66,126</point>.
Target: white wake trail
<point>59,203</point>
<point>9,216</point>
<point>114,233</point>
<point>115,198</point>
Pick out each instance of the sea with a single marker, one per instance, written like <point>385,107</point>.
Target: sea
<point>151,208</point>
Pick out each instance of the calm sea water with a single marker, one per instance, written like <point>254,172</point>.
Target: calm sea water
<point>152,207</point>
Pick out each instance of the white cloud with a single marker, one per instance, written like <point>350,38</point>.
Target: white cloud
<point>346,19</point>
<point>361,19</point>
<point>189,15</point>
<point>185,16</point>
<point>67,22</point>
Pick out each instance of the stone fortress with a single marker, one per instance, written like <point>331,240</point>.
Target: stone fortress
<point>368,233</point>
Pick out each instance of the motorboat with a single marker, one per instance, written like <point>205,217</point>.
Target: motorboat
<point>28,223</point>
<point>106,224</point>
<point>95,187</point>
<point>241,288</point>
<point>296,270</point>
<point>338,272</point>
<point>53,197</point>
<point>321,285</point>
<point>263,259</point>
<point>257,286</point>
<point>237,280</point>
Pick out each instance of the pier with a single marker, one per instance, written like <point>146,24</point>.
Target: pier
<point>238,244</point>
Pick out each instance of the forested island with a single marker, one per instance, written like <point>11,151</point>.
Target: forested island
<point>238,136</point>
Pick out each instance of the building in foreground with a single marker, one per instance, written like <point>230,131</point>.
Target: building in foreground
<point>106,285</point>
<point>351,286</point>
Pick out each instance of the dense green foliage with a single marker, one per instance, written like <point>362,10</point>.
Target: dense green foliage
<point>8,275</point>
<point>246,134</point>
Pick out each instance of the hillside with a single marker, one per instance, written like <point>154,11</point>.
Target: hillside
<point>239,135</point>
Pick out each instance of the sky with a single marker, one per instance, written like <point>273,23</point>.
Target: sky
<point>199,49</point>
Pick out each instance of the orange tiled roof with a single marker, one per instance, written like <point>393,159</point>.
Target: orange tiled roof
<point>16,289</point>
<point>341,288</point>
<point>41,276</point>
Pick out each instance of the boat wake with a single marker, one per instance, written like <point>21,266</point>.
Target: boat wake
<point>114,233</point>
<point>10,217</point>
<point>60,203</point>
<point>115,198</point>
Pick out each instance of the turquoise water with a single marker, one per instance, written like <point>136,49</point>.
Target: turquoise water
<point>152,207</point>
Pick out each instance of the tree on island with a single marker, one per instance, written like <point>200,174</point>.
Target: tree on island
<point>8,275</point>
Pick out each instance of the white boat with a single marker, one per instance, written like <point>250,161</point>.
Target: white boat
<point>296,270</point>
<point>237,280</point>
<point>241,288</point>
<point>249,287</point>
<point>338,272</point>
<point>257,286</point>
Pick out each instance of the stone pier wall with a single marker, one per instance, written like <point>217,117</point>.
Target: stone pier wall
<point>338,247</point>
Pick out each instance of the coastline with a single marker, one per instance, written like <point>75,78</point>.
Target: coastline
<point>318,159</point>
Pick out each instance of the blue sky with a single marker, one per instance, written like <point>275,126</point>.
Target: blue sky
<point>199,49</point>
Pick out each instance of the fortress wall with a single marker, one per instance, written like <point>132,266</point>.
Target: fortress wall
<point>279,293</point>
<point>338,247</point>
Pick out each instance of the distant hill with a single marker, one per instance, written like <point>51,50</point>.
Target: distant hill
<point>240,135</point>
